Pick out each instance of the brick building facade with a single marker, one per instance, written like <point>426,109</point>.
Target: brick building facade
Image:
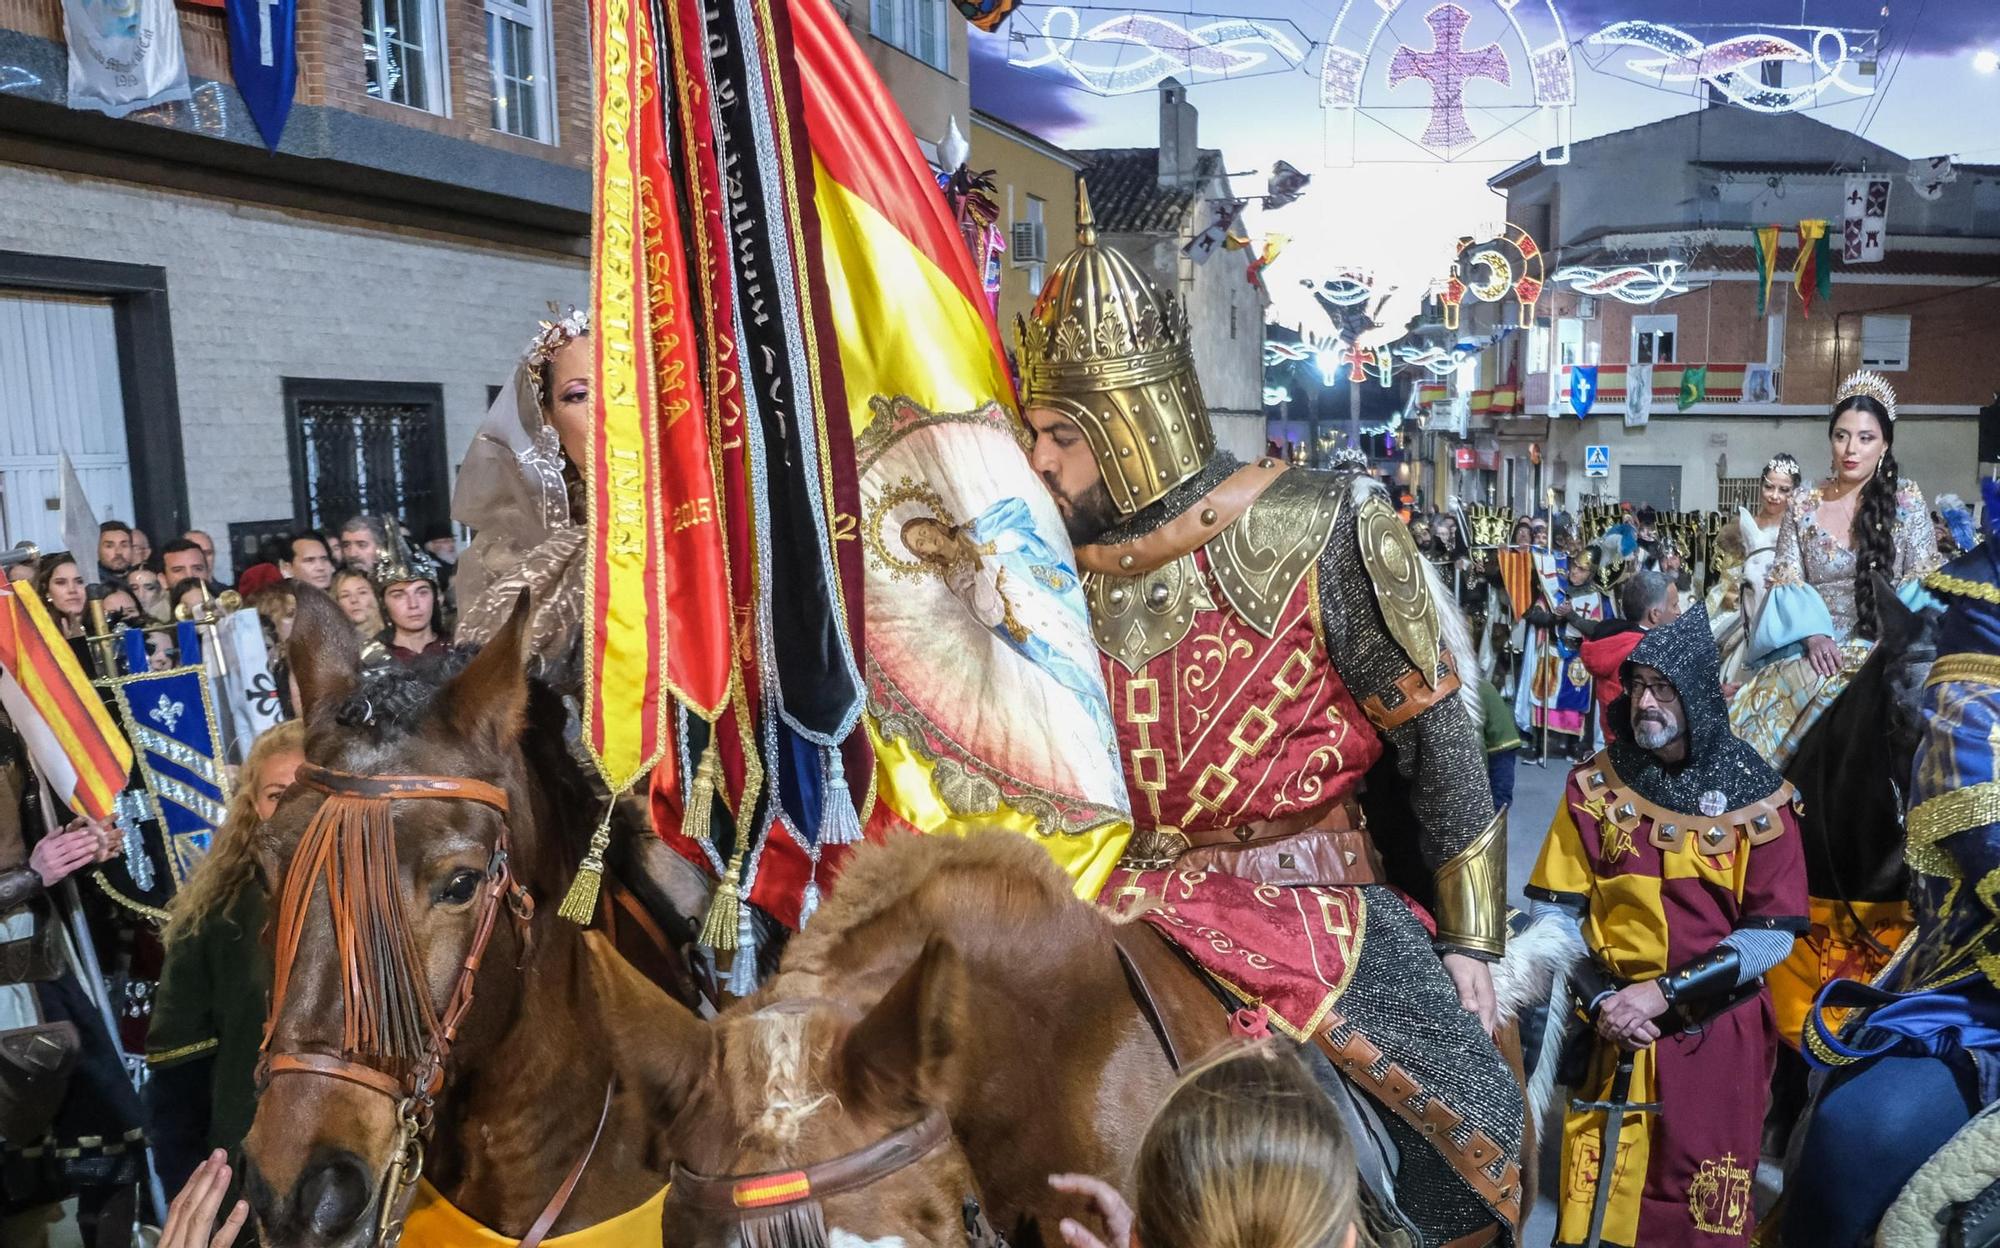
<point>280,338</point>
<point>1691,190</point>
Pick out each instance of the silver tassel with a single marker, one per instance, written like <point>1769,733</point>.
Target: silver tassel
<point>131,808</point>
<point>838,823</point>
<point>743,963</point>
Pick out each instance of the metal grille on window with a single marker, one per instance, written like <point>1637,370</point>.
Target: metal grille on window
<point>372,458</point>
<point>1734,492</point>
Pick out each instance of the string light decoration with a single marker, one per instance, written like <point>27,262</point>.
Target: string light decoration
<point>1223,46</point>
<point>1489,271</point>
<point>1734,67</point>
<point>1628,283</point>
<point>1544,48</point>
<point>1437,361</point>
<point>1344,289</point>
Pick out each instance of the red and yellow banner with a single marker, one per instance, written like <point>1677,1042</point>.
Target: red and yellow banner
<point>62,721</point>
<point>625,579</point>
<point>893,255</point>
<point>697,585</point>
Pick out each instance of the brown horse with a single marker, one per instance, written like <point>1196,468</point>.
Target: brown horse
<point>946,981</point>
<point>435,827</point>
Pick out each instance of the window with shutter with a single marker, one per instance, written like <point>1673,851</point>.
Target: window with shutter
<point>1885,343</point>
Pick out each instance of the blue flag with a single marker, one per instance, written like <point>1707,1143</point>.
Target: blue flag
<point>170,719</point>
<point>264,58</point>
<point>1582,389</point>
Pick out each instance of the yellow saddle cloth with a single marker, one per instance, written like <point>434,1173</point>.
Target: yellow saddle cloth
<point>434,1222</point>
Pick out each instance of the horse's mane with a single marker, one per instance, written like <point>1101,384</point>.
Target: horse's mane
<point>989,882</point>
<point>391,701</point>
<point>392,704</point>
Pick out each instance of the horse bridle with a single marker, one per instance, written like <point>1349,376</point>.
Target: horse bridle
<point>781,1207</point>
<point>393,1041</point>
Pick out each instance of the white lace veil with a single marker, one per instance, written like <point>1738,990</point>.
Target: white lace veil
<point>511,490</point>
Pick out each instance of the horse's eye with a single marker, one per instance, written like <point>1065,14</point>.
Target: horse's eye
<point>460,888</point>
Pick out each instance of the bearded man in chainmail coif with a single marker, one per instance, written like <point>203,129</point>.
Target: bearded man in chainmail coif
<point>1267,635</point>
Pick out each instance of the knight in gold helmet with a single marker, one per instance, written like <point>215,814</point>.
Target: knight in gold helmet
<point>1105,348</point>
<point>1267,634</point>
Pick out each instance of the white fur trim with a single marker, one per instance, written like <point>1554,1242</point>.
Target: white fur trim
<point>1534,972</point>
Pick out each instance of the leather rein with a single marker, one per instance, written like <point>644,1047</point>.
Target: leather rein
<point>393,1040</point>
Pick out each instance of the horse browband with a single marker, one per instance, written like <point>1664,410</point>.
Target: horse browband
<point>427,1075</point>
<point>750,1194</point>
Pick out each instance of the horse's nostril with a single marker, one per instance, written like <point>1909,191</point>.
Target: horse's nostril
<point>333,1195</point>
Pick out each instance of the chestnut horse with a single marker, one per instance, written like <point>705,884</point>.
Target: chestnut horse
<point>954,1025</point>
<point>379,912</point>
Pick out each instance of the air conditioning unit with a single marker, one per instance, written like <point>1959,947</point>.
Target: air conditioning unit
<point>1030,243</point>
<point>1586,307</point>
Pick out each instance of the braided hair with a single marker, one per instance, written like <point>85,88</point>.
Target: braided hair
<point>1874,517</point>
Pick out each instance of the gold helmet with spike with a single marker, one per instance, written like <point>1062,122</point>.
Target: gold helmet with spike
<point>1106,348</point>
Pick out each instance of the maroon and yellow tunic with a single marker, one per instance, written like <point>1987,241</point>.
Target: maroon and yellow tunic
<point>1658,889</point>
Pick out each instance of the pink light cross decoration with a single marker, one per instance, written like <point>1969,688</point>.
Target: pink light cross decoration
<point>1447,67</point>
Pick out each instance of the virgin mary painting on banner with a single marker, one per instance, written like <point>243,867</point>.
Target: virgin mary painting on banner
<point>980,657</point>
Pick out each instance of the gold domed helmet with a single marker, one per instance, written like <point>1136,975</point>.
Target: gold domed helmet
<point>1105,348</point>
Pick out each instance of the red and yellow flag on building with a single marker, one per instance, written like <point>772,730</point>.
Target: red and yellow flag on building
<point>62,721</point>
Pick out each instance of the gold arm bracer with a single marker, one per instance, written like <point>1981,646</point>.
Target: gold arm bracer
<point>1472,893</point>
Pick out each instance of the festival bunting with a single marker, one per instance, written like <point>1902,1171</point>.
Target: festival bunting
<point>1767,264</point>
<point>1812,272</point>
<point>61,720</point>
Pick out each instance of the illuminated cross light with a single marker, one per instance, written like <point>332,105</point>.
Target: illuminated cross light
<point>1447,67</point>
<point>1226,47</point>
<point>1734,66</point>
<point>1629,283</point>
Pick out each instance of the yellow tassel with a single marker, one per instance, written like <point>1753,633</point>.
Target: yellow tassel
<point>580,905</point>
<point>718,930</point>
<point>701,794</point>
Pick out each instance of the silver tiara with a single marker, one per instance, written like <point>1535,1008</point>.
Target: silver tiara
<point>1871,385</point>
<point>1783,462</point>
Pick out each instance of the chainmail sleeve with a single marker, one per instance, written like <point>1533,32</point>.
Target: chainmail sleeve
<point>1437,744</point>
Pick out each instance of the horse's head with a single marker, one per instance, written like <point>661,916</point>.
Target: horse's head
<point>814,1124</point>
<point>401,866</point>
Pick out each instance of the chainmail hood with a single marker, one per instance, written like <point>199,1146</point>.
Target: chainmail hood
<point>1718,762</point>
<point>1171,504</point>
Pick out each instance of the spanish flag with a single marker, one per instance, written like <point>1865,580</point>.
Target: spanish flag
<point>62,721</point>
<point>893,256</point>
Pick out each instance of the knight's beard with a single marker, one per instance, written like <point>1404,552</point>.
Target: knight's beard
<point>1086,516</point>
<point>1654,733</point>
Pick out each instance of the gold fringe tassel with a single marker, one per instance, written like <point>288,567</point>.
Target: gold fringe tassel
<point>701,794</point>
<point>580,905</point>
<point>718,930</point>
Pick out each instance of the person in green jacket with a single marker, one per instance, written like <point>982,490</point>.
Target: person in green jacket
<point>1503,744</point>
<point>208,1017</point>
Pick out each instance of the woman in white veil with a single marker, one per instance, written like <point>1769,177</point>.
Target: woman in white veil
<point>521,492</point>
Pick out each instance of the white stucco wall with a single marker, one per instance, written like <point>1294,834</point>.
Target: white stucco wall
<point>258,294</point>
<point>1939,453</point>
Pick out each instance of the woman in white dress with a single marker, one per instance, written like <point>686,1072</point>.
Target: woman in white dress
<point>1819,619</point>
<point>1744,551</point>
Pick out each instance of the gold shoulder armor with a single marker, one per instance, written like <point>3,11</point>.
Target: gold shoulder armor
<point>1260,559</point>
<point>1396,568</point>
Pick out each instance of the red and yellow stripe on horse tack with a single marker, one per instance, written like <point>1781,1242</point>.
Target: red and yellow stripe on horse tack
<point>625,710</point>
<point>771,1189</point>
<point>69,734</point>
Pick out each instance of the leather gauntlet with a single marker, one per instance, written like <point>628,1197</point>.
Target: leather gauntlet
<point>1711,975</point>
<point>1472,894</point>
<point>18,887</point>
<point>1703,988</point>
